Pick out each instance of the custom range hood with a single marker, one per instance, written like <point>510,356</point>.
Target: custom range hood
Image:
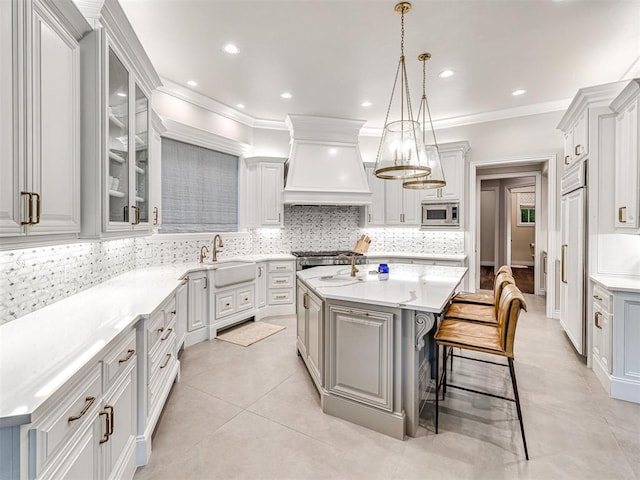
<point>324,165</point>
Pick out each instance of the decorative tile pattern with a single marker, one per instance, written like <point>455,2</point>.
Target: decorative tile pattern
<point>35,277</point>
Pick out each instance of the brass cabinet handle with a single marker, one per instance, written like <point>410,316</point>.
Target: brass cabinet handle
<point>280,297</point>
<point>167,335</point>
<point>105,439</point>
<point>227,304</point>
<point>281,267</point>
<point>185,281</point>
<point>369,217</point>
<point>167,361</point>
<point>620,220</point>
<point>358,314</point>
<point>29,209</point>
<point>173,312</point>
<point>305,301</point>
<point>259,272</point>
<point>155,215</point>
<point>125,213</point>
<point>564,263</point>
<point>596,320</point>
<point>37,195</point>
<point>112,417</point>
<point>567,159</point>
<point>86,408</point>
<point>280,281</point>
<point>597,297</point>
<point>130,354</point>
<point>279,218</point>
<point>206,282</point>
<point>578,149</point>
<point>246,299</point>
<point>136,209</point>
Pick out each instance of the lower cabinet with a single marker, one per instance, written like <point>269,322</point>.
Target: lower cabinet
<point>231,303</point>
<point>310,332</point>
<point>602,324</point>
<point>261,285</point>
<point>182,308</point>
<point>198,301</point>
<point>280,282</point>
<point>87,434</point>
<point>360,350</point>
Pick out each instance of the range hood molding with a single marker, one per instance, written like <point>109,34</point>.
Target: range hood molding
<point>325,166</point>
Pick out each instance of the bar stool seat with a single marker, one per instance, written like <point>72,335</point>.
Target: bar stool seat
<point>482,298</point>
<point>472,336</point>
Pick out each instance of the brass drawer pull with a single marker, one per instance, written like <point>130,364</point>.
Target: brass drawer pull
<point>167,335</point>
<point>281,268</point>
<point>29,209</point>
<point>281,297</point>
<point>173,312</point>
<point>185,281</point>
<point>597,297</point>
<point>227,304</point>
<point>167,361</point>
<point>105,439</point>
<point>112,417</point>
<point>130,354</point>
<point>280,281</point>
<point>564,264</point>
<point>155,215</point>
<point>620,220</point>
<point>86,408</point>
<point>566,159</point>
<point>246,299</point>
<point>37,195</point>
<point>596,320</point>
<point>578,149</point>
<point>305,300</point>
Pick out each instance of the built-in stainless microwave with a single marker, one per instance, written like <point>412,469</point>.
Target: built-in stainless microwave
<point>440,214</point>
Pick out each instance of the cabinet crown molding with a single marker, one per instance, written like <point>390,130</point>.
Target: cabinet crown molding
<point>599,95</point>
<point>627,94</point>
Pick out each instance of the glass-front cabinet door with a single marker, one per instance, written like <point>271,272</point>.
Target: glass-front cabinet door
<point>141,170</point>
<point>118,141</point>
<point>128,150</point>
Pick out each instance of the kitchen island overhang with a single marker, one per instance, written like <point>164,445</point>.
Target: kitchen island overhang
<point>365,341</point>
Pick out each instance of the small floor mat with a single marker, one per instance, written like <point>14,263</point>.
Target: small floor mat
<point>249,333</point>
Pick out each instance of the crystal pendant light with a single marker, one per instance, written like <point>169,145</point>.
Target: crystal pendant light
<point>398,157</point>
<point>429,153</point>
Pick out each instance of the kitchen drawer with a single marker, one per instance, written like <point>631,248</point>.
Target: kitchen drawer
<point>281,266</point>
<point>159,323</point>
<point>164,365</point>
<point>119,357</point>
<point>245,298</point>
<point>160,359</point>
<point>225,304</point>
<point>603,298</point>
<point>66,416</point>
<point>279,297</point>
<point>281,280</point>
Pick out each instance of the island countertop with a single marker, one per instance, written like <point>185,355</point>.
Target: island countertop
<point>425,288</point>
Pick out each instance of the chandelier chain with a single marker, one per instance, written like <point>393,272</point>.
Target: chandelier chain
<point>426,102</point>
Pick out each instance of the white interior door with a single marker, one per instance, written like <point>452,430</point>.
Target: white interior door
<point>572,268</point>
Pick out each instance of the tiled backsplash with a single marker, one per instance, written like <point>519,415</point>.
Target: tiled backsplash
<point>35,277</point>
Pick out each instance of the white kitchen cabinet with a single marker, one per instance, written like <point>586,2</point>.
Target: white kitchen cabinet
<point>452,157</point>
<point>310,332</point>
<point>40,118</point>
<point>155,170</point>
<point>231,303</point>
<point>281,283</point>
<point>117,81</point>
<point>627,159</point>
<point>402,205</point>
<point>602,329</point>
<point>576,139</point>
<point>198,301</point>
<point>182,312</point>
<point>264,185</point>
<point>572,305</point>
<point>261,285</point>
<point>374,214</point>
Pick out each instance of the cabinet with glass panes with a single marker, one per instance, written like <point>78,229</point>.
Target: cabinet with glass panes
<point>115,174</point>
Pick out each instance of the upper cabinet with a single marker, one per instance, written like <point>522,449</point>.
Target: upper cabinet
<point>40,119</point>
<point>452,156</point>
<point>576,139</point>
<point>117,81</point>
<point>264,185</point>
<point>627,159</point>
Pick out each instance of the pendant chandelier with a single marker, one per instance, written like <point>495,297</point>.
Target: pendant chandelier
<point>430,153</point>
<point>398,155</point>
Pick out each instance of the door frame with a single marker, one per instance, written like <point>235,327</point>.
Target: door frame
<point>472,245</point>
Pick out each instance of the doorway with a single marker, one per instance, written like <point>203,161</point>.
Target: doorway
<point>543,168</point>
<point>521,238</point>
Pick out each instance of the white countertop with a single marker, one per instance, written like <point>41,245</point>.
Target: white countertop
<point>459,257</point>
<point>417,287</point>
<point>618,283</point>
<point>41,351</point>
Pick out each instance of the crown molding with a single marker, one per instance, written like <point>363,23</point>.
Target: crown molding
<point>600,95</point>
<point>627,94</point>
<point>67,13</point>
<point>195,136</point>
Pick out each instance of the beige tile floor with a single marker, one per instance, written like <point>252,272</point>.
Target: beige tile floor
<point>253,412</point>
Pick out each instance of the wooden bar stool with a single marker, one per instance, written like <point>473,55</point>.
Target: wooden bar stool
<point>482,298</point>
<point>481,313</point>
<point>491,339</point>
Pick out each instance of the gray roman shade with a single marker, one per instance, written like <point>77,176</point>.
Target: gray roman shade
<point>199,189</point>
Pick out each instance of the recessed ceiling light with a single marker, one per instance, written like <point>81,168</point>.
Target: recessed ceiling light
<point>518,92</point>
<point>286,95</point>
<point>446,73</point>
<point>231,48</point>
<point>191,83</point>
<point>366,104</point>
<point>121,94</point>
<point>240,106</point>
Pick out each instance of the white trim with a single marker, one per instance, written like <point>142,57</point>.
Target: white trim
<point>181,237</point>
<point>202,138</point>
<point>474,200</point>
<point>633,71</point>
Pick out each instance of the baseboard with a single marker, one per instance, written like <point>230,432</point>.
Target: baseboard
<point>624,389</point>
<point>487,264</point>
<point>601,374</point>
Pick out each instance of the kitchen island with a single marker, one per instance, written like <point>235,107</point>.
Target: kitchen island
<point>366,342</point>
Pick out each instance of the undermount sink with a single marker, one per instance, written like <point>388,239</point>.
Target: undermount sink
<point>230,273</point>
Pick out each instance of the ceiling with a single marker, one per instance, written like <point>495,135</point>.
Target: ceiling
<point>332,55</point>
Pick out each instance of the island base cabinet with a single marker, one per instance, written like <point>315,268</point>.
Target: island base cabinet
<point>361,355</point>
<point>310,333</point>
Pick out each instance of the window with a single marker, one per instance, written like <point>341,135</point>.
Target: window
<point>199,189</point>
<point>527,215</point>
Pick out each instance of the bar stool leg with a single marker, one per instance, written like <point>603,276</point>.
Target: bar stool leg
<point>515,391</point>
<point>437,383</point>
<point>444,372</point>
